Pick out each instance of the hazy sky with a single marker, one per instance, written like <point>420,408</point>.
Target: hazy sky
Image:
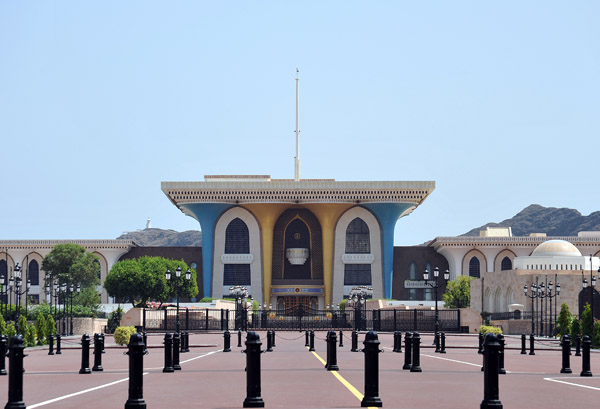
<point>497,102</point>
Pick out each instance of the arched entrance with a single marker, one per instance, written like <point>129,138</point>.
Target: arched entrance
<point>297,260</point>
<point>585,297</point>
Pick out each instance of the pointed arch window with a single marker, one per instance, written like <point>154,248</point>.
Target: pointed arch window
<point>358,237</point>
<point>237,238</point>
<point>506,264</point>
<point>474,267</point>
<point>237,241</point>
<point>412,271</point>
<point>4,269</point>
<point>34,272</point>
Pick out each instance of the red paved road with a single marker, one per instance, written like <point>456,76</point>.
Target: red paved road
<point>292,377</point>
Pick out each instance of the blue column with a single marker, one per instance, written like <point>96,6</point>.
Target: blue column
<point>207,215</point>
<point>387,214</point>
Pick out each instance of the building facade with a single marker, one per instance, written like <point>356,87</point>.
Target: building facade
<point>298,242</point>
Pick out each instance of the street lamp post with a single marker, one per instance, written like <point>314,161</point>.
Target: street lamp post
<point>435,285</point>
<point>533,296</point>
<point>359,296</point>
<point>240,293</point>
<point>70,297</point>
<point>4,295</point>
<point>592,284</point>
<point>550,297</point>
<point>188,276</point>
<point>18,293</point>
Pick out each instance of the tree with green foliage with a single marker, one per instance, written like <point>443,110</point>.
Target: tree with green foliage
<point>11,331</point>
<point>2,325</point>
<point>50,327</point>
<point>587,321</point>
<point>596,337</point>
<point>29,335</point>
<point>141,280</point>
<point>563,322</point>
<point>575,329</point>
<point>71,263</point>
<point>458,292</point>
<point>40,326</point>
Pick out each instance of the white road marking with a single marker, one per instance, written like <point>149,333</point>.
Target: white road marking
<point>95,388</point>
<point>572,384</point>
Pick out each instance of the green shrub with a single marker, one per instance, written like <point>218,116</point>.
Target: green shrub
<point>563,322</point>
<point>11,331</point>
<point>343,306</point>
<point>596,338</point>
<point>123,334</point>
<point>487,329</point>
<point>22,324</point>
<point>206,299</point>
<point>114,320</point>
<point>50,327</point>
<point>586,321</point>
<point>29,335</point>
<point>575,329</point>
<point>40,327</point>
<point>2,325</point>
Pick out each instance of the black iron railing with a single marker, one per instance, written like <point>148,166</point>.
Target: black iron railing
<point>299,319</point>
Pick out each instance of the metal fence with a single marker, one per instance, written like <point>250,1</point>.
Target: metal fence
<point>300,319</point>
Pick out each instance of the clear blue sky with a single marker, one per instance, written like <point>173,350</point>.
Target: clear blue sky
<point>497,102</point>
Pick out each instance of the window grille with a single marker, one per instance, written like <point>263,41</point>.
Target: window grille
<point>357,274</point>
<point>237,238</point>
<point>358,237</point>
<point>506,264</point>
<point>474,267</point>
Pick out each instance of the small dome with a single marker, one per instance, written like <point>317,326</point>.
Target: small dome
<point>560,248</point>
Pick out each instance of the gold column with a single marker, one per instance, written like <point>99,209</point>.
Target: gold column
<point>267,214</point>
<point>328,215</point>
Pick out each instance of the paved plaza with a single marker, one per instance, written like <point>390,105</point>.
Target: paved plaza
<point>293,377</point>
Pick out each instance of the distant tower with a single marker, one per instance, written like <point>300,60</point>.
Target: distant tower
<point>148,223</point>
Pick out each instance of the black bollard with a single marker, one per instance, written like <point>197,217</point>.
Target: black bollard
<point>436,341</point>
<point>58,339</point>
<point>395,349</point>
<point>480,340</point>
<point>491,390</point>
<point>523,344</point>
<point>15,373</point>
<point>226,341</point>
<point>240,338</point>
<point>311,346</point>
<point>354,341</point>
<point>416,353</point>
<point>3,352</point>
<point>341,339</point>
<point>144,338</point>
<point>501,369</point>
<point>332,351</point>
<point>566,352</point>
<point>585,359</point>
<point>85,354</point>
<point>578,345</point>
<point>306,338</point>
<point>328,346</point>
<point>102,341</point>
<point>136,354</point>
<point>50,345</point>
<point>252,351</point>
<point>371,350</point>
<point>531,344</point>
<point>443,338</point>
<point>273,338</point>
<point>176,341</point>
<point>186,342</point>
<point>269,342</point>
<point>97,354</point>
<point>407,350</point>
<point>168,353</point>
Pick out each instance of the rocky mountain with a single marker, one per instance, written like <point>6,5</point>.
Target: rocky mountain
<point>167,238</point>
<point>550,220</point>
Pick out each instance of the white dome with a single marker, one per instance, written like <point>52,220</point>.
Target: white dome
<point>556,248</point>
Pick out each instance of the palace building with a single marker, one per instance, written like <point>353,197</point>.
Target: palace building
<point>293,241</point>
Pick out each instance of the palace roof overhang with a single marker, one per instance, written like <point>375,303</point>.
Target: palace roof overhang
<point>514,241</point>
<point>262,189</point>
